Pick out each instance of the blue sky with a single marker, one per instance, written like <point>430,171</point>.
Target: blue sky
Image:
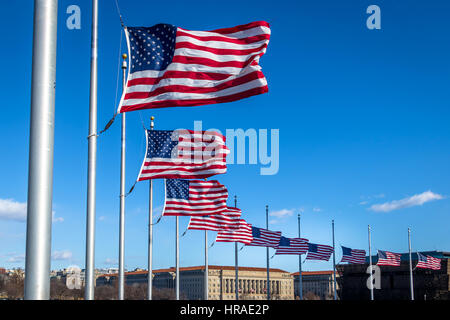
<point>363,118</point>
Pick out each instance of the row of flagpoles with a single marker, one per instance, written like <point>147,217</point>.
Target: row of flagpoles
<point>41,154</point>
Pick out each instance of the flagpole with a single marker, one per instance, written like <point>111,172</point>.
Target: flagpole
<point>370,264</point>
<point>267,255</point>
<point>206,287</point>
<point>92,162</point>
<point>236,261</point>
<point>300,276</point>
<point>41,150</point>
<point>410,265</point>
<point>206,265</point>
<point>150,233</point>
<point>122,193</point>
<point>334,262</point>
<point>177,260</point>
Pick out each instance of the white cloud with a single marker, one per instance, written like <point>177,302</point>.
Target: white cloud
<point>110,261</point>
<point>101,218</point>
<point>317,209</point>
<point>56,219</point>
<point>16,258</point>
<point>415,200</point>
<point>282,213</point>
<point>17,211</point>
<point>367,199</point>
<point>13,210</point>
<point>62,255</point>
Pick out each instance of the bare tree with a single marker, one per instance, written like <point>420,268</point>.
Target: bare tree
<point>77,294</point>
<point>14,286</point>
<point>311,296</point>
<point>163,294</point>
<point>2,284</point>
<point>58,290</point>
<point>105,293</point>
<point>136,292</point>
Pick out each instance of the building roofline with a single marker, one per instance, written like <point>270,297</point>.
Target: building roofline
<point>313,273</point>
<point>196,268</point>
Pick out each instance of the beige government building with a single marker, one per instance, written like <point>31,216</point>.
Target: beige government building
<point>221,282</point>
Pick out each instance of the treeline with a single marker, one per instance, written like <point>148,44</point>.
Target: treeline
<point>12,288</point>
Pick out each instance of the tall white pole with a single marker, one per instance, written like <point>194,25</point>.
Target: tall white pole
<point>177,259</point>
<point>370,264</point>
<point>334,262</point>
<point>122,195</point>
<point>40,166</point>
<point>206,284</point>
<point>236,262</point>
<point>267,255</point>
<point>300,275</point>
<point>206,265</point>
<point>92,162</point>
<point>410,266</point>
<point>150,233</point>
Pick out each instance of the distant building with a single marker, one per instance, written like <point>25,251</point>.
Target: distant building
<point>16,272</point>
<point>395,281</point>
<point>73,278</point>
<point>320,283</point>
<point>221,282</point>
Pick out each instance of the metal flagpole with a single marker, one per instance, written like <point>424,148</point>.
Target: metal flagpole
<point>300,276</point>
<point>92,162</point>
<point>267,255</point>
<point>206,265</point>
<point>410,265</point>
<point>150,232</point>
<point>334,263</point>
<point>40,167</point>
<point>122,193</point>
<point>370,265</point>
<point>236,261</point>
<point>177,260</point>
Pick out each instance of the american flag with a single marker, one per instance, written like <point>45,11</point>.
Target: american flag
<point>194,197</point>
<point>171,66</point>
<point>183,154</point>
<point>243,234</point>
<point>228,219</point>
<point>428,262</point>
<point>319,252</point>
<point>265,238</point>
<point>292,246</point>
<point>353,255</point>
<point>386,258</point>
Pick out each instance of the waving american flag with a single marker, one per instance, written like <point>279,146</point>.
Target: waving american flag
<point>243,234</point>
<point>292,246</point>
<point>226,220</point>
<point>428,262</point>
<point>194,197</point>
<point>265,238</point>
<point>319,252</point>
<point>353,256</point>
<point>183,154</point>
<point>386,258</point>
<point>171,66</point>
